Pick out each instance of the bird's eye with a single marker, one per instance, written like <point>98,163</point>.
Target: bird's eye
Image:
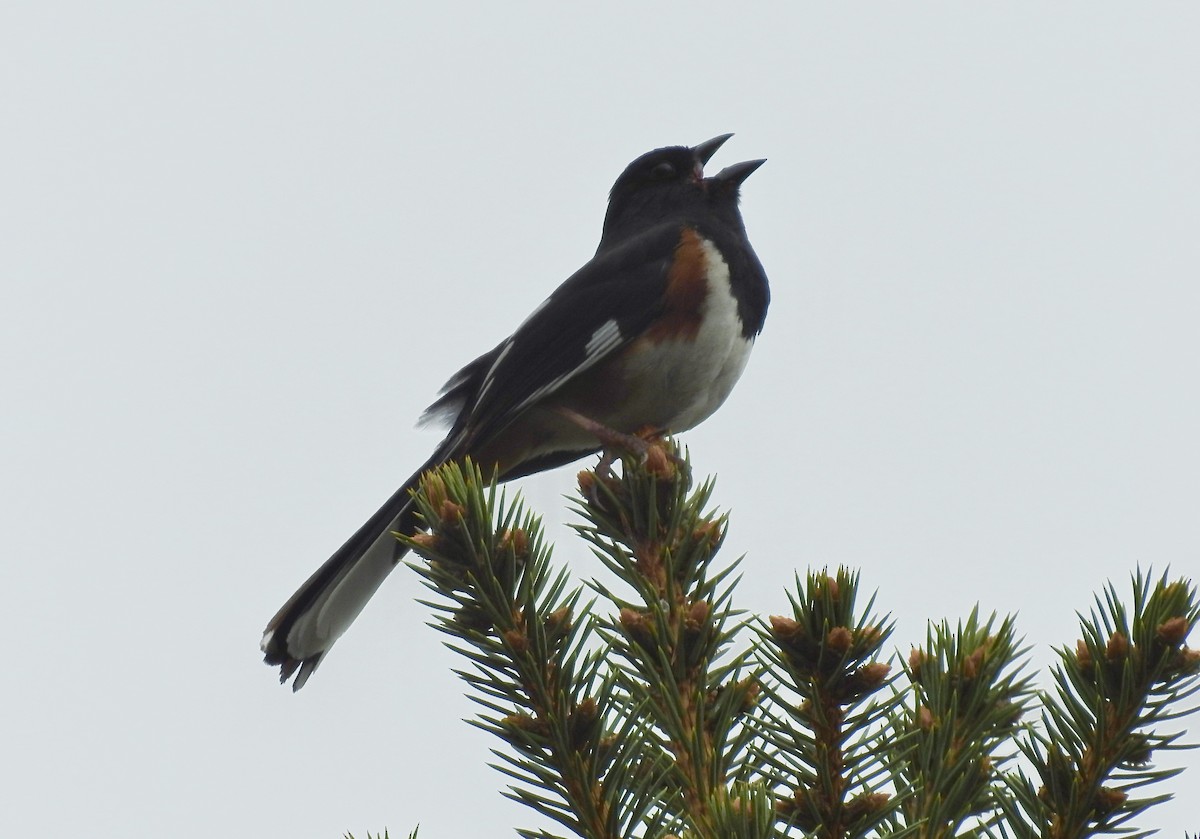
<point>663,171</point>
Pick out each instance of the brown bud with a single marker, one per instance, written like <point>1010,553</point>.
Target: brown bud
<point>750,691</point>
<point>1083,655</point>
<point>450,513</point>
<point>425,542</point>
<point>870,634</point>
<point>635,624</point>
<point>434,488</point>
<point>697,615</point>
<point>587,482</point>
<point>583,722</point>
<point>974,662</point>
<point>865,680</point>
<point>559,619</point>
<point>708,531</point>
<point>866,805</point>
<point>517,539</point>
<point>473,617</point>
<point>1173,631</point>
<point>517,641</point>
<point>1117,648</point>
<point>839,639</point>
<point>916,660</point>
<point>524,722</point>
<point>875,673</point>
<point>586,710</point>
<point>657,463</point>
<point>1140,749</point>
<point>1109,799</point>
<point>786,629</point>
<point>831,585</point>
<point>924,719</point>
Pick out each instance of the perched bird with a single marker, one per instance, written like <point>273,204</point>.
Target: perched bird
<point>653,332</point>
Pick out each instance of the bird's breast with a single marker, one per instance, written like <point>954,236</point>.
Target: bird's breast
<point>677,378</point>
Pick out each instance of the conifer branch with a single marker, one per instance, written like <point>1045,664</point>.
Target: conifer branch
<point>543,692</point>
<point>670,639</point>
<point>1127,676</point>
<point>634,714</point>
<point>967,695</point>
<point>821,725</point>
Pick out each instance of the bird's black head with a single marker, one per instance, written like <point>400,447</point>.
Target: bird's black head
<point>667,183</point>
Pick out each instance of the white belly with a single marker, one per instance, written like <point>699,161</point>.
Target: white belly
<point>690,379</point>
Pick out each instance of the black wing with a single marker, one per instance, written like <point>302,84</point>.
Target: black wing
<point>594,313</point>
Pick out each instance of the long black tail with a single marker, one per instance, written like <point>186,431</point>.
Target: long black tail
<point>327,603</point>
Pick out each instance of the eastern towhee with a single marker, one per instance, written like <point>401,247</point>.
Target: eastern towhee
<point>653,332</point>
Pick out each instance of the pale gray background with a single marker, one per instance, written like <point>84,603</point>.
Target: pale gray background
<point>245,243</point>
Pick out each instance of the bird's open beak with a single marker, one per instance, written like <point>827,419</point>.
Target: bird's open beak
<point>732,176</point>
<point>704,151</point>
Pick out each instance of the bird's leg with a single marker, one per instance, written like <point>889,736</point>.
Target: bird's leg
<point>611,439</point>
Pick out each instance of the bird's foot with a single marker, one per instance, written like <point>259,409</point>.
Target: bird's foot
<point>612,441</point>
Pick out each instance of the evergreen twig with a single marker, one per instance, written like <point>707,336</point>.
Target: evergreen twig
<point>511,616</point>
<point>644,720</point>
<point>820,728</point>
<point>1100,727</point>
<point>966,697</point>
<point>670,638</point>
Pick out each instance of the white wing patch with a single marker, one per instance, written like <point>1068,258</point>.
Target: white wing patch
<point>603,339</point>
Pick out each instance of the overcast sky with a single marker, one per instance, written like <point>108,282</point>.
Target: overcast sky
<point>245,243</point>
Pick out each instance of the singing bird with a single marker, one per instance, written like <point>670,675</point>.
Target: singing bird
<point>652,332</point>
